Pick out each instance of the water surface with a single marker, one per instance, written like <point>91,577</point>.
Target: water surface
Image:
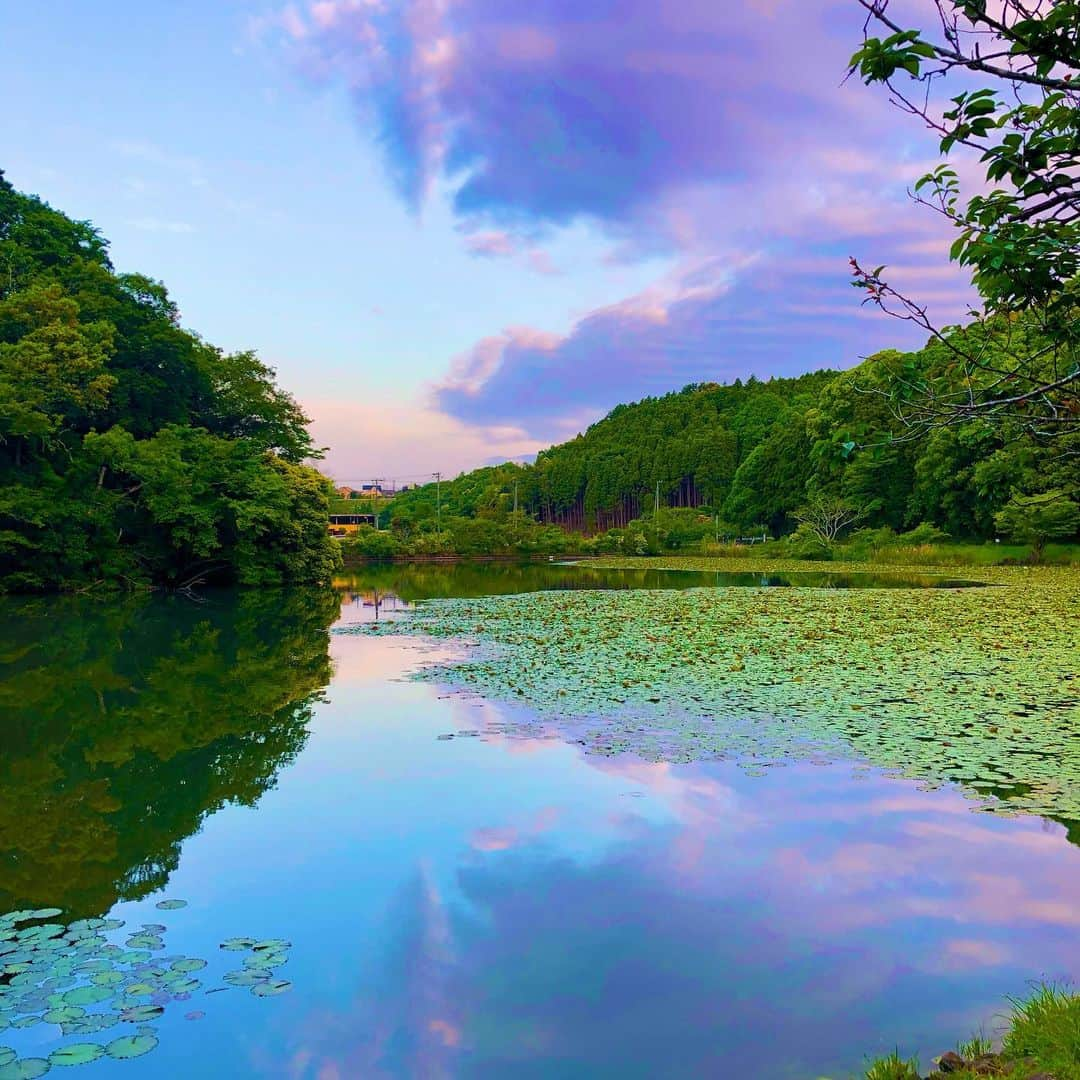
<point>488,904</point>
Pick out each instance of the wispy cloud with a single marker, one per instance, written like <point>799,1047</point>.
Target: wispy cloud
<point>156,225</point>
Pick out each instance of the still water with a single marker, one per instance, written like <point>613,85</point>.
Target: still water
<point>400,904</point>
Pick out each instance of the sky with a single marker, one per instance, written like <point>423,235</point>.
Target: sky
<point>462,230</point>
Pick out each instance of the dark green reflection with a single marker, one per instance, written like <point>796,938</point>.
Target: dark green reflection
<point>126,723</point>
<point>429,581</point>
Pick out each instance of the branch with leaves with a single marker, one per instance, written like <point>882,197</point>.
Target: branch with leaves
<point>1019,235</point>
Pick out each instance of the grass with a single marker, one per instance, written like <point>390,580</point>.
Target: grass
<point>943,554</point>
<point>1042,1039</point>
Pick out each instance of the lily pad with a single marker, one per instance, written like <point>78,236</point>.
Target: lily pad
<point>131,1046</point>
<point>237,944</point>
<point>271,987</point>
<point>140,1014</point>
<point>192,964</point>
<point>244,978</point>
<point>87,995</point>
<point>170,905</point>
<point>64,1014</point>
<point>25,1069</point>
<point>77,1054</point>
<point>271,943</point>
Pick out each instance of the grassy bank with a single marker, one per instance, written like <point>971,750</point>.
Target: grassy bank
<point>523,538</point>
<point>1041,1042</point>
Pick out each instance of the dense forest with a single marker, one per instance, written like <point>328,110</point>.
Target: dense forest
<point>758,457</point>
<point>130,449</point>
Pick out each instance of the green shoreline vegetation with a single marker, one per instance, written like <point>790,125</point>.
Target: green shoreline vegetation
<point>1041,1041</point>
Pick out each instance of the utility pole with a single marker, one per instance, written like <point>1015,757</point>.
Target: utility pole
<point>438,502</point>
<point>515,496</point>
<point>376,494</point>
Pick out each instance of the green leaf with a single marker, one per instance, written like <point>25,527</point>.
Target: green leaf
<point>25,1069</point>
<point>131,1046</point>
<point>77,1054</point>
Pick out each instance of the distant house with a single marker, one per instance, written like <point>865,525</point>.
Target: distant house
<point>345,524</point>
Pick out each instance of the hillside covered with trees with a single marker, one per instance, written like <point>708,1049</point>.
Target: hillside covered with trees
<point>770,458</point>
<point>130,449</point>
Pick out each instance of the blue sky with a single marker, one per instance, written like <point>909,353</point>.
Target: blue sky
<point>463,229</point>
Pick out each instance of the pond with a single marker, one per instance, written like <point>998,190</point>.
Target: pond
<point>245,835</point>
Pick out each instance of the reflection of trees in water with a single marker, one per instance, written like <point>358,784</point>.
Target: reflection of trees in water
<point>127,723</point>
<point>410,582</point>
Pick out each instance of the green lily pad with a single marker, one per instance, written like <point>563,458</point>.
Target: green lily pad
<point>7,1055</point>
<point>265,960</point>
<point>77,1054</point>
<point>86,995</point>
<point>107,978</point>
<point>140,1014</point>
<point>131,1046</point>
<point>139,989</point>
<point>64,1014</point>
<point>85,924</point>
<point>170,905</point>
<point>90,1024</point>
<point>145,941</point>
<point>193,964</point>
<point>25,1069</point>
<point>237,944</point>
<point>271,987</point>
<point>244,978</point>
<point>271,943</point>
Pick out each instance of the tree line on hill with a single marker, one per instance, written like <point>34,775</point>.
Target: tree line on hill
<point>812,456</point>
<point>130,449</point>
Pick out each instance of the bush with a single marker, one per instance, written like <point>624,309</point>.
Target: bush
<point>804,543</point>
<point>924,533</point>
<point>371,543</point>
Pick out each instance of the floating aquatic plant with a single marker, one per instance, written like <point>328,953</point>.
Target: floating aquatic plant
<point>975,686</point>
<point>74,978</point>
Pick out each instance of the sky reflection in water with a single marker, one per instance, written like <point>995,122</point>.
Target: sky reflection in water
<point>493,906</point>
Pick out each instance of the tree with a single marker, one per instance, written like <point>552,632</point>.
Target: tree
<point>130,449</point>
<point>827,516</point>
<point>1034,519</point>
<point>1019,236</point>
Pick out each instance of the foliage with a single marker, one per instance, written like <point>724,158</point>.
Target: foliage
<point>1038,518</point>
<point>130,449</point>
<point>1019,233</point>
<point>1042,1039</point>
<point>743,459</point>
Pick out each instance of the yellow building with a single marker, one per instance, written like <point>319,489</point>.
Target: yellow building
<point>346,524</point>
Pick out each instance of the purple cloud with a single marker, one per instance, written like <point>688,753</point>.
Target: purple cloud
<point>712,321</point>
<point>564,109</point>
<point>719,135</point>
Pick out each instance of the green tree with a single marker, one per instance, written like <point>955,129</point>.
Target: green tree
<point>1035,519</point>
<point>130,449</point>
